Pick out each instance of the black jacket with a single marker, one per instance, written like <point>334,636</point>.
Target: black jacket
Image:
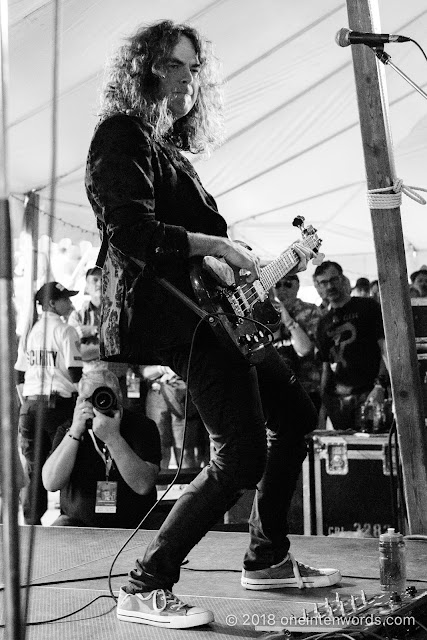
<point>146,196</point>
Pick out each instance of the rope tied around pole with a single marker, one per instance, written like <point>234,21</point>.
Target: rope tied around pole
<point>383,199</point>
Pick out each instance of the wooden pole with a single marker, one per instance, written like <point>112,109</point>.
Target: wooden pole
<point>8,401</point>
<point>392,273</point>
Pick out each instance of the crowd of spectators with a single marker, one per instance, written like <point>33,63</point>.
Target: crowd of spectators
<point>335,347</point>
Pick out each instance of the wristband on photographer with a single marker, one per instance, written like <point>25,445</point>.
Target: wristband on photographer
<point>292,325</point>
<point>70,435</point>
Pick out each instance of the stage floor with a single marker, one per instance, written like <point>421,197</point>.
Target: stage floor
<point>71,567</point>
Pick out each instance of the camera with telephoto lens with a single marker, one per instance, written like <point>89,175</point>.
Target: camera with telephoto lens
<point>104,400</point>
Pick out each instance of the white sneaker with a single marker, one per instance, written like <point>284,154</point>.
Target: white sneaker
<point>160,608</point>
<point>289,573</point>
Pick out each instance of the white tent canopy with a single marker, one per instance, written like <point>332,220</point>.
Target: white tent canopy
<point>293,139</point>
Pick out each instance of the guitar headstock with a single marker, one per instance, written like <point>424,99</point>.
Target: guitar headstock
<point>310,239</point>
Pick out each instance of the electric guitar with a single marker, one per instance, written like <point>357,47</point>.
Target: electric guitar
<point>241,314</point>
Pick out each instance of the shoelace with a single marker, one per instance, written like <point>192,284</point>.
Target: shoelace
<point>297,574</point>
<point>168,599</point>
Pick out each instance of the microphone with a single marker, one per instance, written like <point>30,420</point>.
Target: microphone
<point>345,37</point>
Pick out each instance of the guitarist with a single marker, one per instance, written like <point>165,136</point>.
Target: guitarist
<point>162,98</point>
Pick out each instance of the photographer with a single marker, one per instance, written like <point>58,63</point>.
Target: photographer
<point>105,461</point>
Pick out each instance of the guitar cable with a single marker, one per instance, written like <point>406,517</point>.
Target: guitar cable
<point>174,479</point>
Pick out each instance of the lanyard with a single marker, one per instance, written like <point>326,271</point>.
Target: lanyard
<point>105,454</point>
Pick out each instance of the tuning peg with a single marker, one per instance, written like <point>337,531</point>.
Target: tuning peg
<point>298,221</point>
<point>318,259</point>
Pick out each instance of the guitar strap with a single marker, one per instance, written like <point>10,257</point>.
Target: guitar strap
<point>102,255</point>
<point>183,297</point>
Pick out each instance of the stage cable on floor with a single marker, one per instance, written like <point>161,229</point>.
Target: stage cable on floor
<point>67,615</point>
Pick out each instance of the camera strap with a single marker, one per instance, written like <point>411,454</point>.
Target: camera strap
<point>106,491</point>
<point>105,455</point>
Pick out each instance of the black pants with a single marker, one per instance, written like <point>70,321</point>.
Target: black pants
<point>257,419</point>
<point>33,414</point>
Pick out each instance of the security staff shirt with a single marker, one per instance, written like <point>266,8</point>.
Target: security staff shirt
<point>52,348</point>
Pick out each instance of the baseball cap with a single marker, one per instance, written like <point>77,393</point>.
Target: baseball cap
<point>422,269</point>
<point>53,291</point>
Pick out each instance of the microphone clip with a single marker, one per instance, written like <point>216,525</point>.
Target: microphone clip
<point>382,55</point>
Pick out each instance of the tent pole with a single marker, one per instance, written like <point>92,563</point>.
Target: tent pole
<point>392,272</point>
<point>29,245</point>
<point>31,230</point>
<point>8,400</point>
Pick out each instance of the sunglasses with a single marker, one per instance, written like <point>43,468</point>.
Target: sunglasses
<point>288,284</point>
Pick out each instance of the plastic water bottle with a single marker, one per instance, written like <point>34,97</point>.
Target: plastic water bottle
<point>392,562</point>
<point>371,417</point>
<point>365,422</point>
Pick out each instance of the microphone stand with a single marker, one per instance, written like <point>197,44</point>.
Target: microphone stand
<point>386,60</point>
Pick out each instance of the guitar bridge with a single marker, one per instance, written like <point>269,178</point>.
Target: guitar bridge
<point>238,301</point>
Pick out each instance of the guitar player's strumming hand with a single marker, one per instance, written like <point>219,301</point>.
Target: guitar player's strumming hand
<point>238,256</point>
<point>235,254</point>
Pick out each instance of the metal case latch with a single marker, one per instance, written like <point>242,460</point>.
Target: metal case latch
<point>334,451</point>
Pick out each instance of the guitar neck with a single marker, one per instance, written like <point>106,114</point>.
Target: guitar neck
<point>278,268</point>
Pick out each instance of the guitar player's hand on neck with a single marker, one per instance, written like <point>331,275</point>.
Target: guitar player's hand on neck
<point>305,254</point>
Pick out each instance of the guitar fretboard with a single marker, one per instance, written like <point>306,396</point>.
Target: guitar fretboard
<point>278,268</point>
<point>285,262</point>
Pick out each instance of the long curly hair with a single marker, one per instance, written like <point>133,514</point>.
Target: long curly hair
<point>132,87</point>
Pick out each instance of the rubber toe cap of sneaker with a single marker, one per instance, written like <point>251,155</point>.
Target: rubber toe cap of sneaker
<point>203,614</point>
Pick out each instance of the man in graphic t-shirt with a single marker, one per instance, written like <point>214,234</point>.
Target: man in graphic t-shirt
<point>351,343</point>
